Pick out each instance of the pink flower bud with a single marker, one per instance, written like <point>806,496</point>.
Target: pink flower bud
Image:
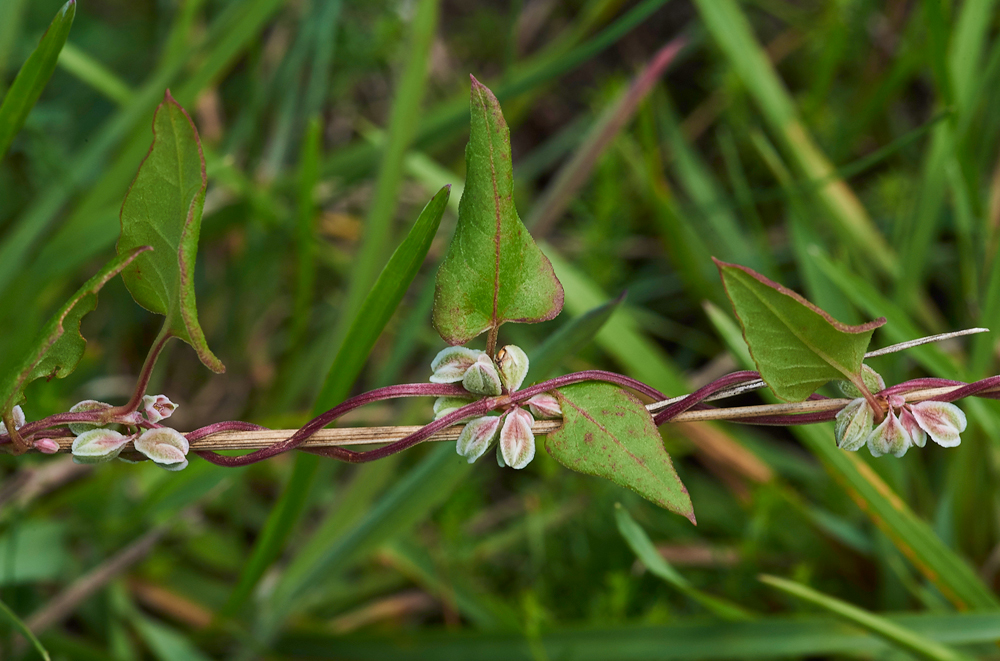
<point>167,447</point>
<point>943,421</point>
<point>482,377</point>
<point>477,436</point>
<point>98,445</point>
<point>517,443</point>
<point>545,405</point>
<point>157,407</point>
<point>450,365</point>
<point>889,437</point>
<point>46,446</point>
<point>854,424</point>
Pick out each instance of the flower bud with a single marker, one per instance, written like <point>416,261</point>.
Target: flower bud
<point>86,405</point>
<point>854,424</point>
<point>46,446</point>
<point>17,415</point>
<point>482,378</point>
<point>445,405</point>
<point>98,445</point>
<point>517,443</point>
<point>889,437</point>
<point>477,436</point>
<point>943,421</point>
<point>872,380</point>
<point>450,365</point>
<point>545,405</point>
<point>157,407</point>
<point>513,365</point>
<point>167,447</point>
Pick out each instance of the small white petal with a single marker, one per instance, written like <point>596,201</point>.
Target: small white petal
<point>445,405</point>
<point>477,436</point>
<point>84,406</point>
<point>517,443</point>
<point>544,405</point>
<point>941,420</point>
<point>450,364</point>
<point>889,438</point>
<point>482,378</point>
<point>854,424</point>
<point>513,365</point>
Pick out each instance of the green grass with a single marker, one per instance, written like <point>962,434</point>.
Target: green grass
<point>849,152</point>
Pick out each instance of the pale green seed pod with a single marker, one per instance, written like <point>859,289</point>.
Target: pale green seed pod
<point>167,447</point>
<point>450,365</point>
<point>512,363</point>
<point>477,436</point>
<point>854,423</point>
<point>98,446</point>
<point>482,378</point>
<point>86,405</point>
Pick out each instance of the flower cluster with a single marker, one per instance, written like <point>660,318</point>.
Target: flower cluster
<point>482,376</point>
<point>904,425</point>
<point>96,444</point>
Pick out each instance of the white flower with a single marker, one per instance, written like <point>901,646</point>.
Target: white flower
<point>943,421</point>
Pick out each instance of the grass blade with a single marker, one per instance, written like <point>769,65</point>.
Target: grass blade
<point>33,76</point>
<point>643,548</point>
<point>19,624</point>
<point>731,31</point>
<point>894,633</point>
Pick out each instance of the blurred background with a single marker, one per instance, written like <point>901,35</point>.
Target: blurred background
<point>846,149</point>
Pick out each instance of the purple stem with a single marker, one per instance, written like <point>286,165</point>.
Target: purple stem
<point>317,423</point>
<point>919,384</point>
<point>699,395</point>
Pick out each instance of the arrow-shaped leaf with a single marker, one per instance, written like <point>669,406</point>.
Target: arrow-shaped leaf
<point>163,209</point>
<point>797,346</point>
<point>493,271</point>
<point>59,347</point>
<point>608,433</point>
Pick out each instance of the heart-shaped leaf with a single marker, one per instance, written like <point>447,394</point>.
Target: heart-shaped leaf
<point>797,346</point>
<point>60,346</point>
<point>607,432</point>
<point>493,271</point>
<point>163,209</point>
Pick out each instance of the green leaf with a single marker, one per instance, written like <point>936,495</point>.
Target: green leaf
<point>901,636</point>
<point>607,432</point>
<point>797,346</point>
<point>59,347</point>
<point>493,271</point>
<point>381,302</point>
<point>163,209</point>
<point>33,76</point>
<point>645,550</point>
